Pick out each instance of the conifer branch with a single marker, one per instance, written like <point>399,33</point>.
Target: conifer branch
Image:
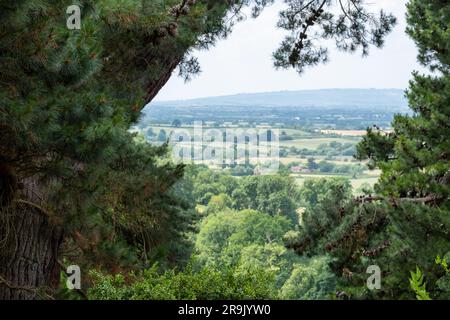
<point>394,201</point>
<point>299,45</point>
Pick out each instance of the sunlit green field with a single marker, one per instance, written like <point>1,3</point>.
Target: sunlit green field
<point>302,140</point>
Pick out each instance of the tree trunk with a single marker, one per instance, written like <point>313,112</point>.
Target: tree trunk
<point>29,244</point>
<point>154,87</point>
<point>30,241</point>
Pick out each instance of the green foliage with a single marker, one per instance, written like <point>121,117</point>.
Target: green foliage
<point>442,287</point>
<point>189,284</point>
<point>408,220</point>
<point>428,23</point>
<point>273,257</point>
<point>67,100</point>
<point>351,25</point>
<point>418,285</point>
<point>312,165</point>
<point>376,146</point>
<point>219,203</point>
<point>208,183</point>
<point>274,195</point>
<point>443,283</point>
<point>313,190</point>
<point>443,263</point>
<point>224,234</point>
<point>357,234</point>
<point>310,281</point>
<point>247,239</point>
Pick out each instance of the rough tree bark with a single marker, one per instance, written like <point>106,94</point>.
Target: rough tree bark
<point>28,254</point>
<point>154,87</point>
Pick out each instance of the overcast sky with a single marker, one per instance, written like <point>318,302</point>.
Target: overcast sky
<point>243,62</point>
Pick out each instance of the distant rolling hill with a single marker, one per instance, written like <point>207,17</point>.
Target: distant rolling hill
<point>381,99</point>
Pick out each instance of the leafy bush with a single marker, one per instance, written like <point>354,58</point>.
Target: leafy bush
<point>311,281</point>
<point>189,284</point>
<point>442,286</point>
<point>223,235</point>
<point>250,239</point>
<point>273,195</point>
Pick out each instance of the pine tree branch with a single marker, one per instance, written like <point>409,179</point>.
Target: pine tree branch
<point>424,200</point>
<point>303,35</point>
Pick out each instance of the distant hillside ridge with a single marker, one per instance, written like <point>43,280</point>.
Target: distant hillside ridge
<point>392,99</point>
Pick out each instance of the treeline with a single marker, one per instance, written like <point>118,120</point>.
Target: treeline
<point>239,247</point>
<point>332,149</point>
<point>323,166</point>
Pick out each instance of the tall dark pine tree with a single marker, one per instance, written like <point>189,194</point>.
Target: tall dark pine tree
<point>406,224</point>
<point>75,184</point>
<point>415,158</point>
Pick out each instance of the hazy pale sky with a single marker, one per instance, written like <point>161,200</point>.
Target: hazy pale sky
<point>243,62</point>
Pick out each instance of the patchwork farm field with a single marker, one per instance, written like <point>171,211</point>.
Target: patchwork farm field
<point>324,146</point>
